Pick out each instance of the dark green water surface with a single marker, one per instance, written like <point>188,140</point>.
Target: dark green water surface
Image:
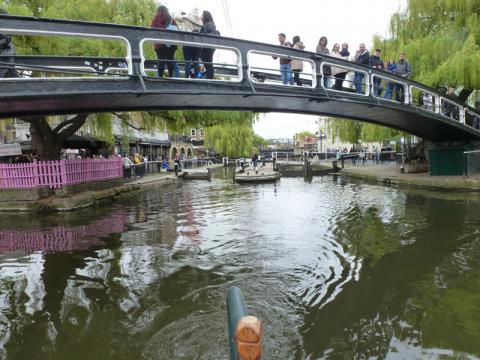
<point>336,270</point>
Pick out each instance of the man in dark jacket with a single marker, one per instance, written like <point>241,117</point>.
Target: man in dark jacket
<point>6,49</point>
<point>362,56</point>
<point>376,63</point>
<point>403,69</point>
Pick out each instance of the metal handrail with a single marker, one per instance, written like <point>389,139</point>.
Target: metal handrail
<point>404,84</point>
<point>128,58</point>
<point>280,55</point>
<point>193,44</point>
<point>367,78</point>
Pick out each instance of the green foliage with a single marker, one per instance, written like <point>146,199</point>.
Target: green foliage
<point>233,136</point>
<point>259,141</point>
<point>441,39</point>
<point>354,132</point>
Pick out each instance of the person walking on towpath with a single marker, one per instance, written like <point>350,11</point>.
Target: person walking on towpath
<point>285,67</point>
<point>255,160</point>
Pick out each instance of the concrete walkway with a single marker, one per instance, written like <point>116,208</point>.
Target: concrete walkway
<point>89,198</point>
<point>391,175</point>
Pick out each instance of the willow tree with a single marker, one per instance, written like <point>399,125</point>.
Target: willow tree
<point>355,132</point>
<point>441,39</point>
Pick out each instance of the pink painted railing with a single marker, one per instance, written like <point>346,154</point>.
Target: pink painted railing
<point>56,174</point>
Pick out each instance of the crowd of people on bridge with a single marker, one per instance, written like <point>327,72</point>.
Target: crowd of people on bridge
<point>335,76</point>
<point>198,60</point>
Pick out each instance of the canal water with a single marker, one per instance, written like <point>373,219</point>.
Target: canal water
<point>336,269</point>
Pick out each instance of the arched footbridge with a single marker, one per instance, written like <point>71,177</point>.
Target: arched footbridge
<point>247,78</point>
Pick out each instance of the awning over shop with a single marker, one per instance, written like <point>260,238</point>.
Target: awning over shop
<point>73,142</point>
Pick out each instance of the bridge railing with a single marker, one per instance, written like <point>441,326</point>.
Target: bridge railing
<point>136,63</point>
<point>326,71</point>
<point>229,53</point>
<point>260,71</point>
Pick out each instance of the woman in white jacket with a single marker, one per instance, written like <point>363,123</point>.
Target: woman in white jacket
<point>337,72</point>
<point>296,65</point>
<point>192,23</point>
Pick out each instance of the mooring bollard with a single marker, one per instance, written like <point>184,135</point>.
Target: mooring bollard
<point>245,332</point>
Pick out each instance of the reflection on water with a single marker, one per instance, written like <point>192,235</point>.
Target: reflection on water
<point>335,270</point>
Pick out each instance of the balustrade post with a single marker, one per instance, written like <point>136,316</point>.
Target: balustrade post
<point>36,180</point>
<point>461,114</point>
<point>406,90</point>
<point>63,174</point>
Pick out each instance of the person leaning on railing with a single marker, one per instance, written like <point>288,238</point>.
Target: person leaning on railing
<point>285,63</point>
<point>209,28</point>
<point>403,70</point>
<point>6,49</point>
<point>327,70</point>
<point>362,56</point>
<point>337,72</point>
<point>377,63</point>
<point>391,68</point>
<point>165,52</point>
<point>296,65</point>
<point>192,23</point>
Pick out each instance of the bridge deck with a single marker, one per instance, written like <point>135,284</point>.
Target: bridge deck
<point>245,86</point>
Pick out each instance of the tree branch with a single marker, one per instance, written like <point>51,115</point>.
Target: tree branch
<point>63,124</point>
<point>122,117</point>
<point>76,123</point>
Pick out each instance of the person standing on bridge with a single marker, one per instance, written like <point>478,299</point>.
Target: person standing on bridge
<point>209,28</point>
<point>362,56</point>
<point>327,70</point>
<point>391,68</point>
<point>296,64</point>
<point>403,70</point>
<point>377,63</point>
<point>339,73</point>
<point>191,23</point>
<point>165,53</point>
<point>7,49</point>
<point>285,63</point>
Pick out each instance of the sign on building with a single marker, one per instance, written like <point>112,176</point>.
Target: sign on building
<point>10,149</point>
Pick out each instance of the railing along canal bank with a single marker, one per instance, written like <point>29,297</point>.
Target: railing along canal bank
<point>60,173</point>
<point>472,163</point>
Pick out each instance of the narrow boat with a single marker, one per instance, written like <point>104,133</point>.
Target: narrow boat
<point>257,176</point>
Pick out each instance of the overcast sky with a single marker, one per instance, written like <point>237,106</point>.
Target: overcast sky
<point>351,21</point>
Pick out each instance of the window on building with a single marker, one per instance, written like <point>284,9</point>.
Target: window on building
<point>194,132</point>
<point>201,132</point>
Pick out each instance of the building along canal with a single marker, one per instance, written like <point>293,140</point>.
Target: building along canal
<point>334,268</point>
